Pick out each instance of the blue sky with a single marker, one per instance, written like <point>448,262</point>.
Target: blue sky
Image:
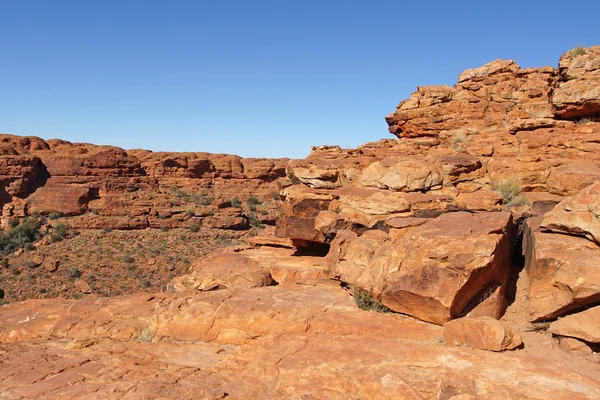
<point>255,78</point>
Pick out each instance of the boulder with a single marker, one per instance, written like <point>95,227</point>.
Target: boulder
<point>223,270</point>
<point>564,272</point>
<point>578,92</point>
<point>584,325</point>
<point>577,215</point>
<point>482,333</point>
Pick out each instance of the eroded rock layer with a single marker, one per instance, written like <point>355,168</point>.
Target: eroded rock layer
<point>108,187</point>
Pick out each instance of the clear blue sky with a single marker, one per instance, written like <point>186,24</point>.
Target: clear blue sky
<point>255,78</point>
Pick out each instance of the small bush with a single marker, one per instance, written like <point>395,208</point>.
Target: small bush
<point>585,120</point>
<point>73,273</point>
<point>252,200</point>
<point>365,301</point>
<point>178,192</point>
<point>60,232</point>
<point>54,215</point>
<point>20,233</point>
<point>235,202</point>
<point>190,213</point>
<point>127,258</point>
<point>293,178</point>
<point>457,140</point>
<point>202,200</point>
<point>164,229</point>
<point>577,51</point>
<point>194,229</point>
<point>510,190</point>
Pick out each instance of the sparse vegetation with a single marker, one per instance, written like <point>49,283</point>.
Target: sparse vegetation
<point>146,335</point>
<point>577,51</point>
<point>235,202</point>
<point>458,139</point>
<point>293,178</point>
<point>202,199</point>
<point>178,192</point>
<point>73,273</point>
<point>59,233</point>
<point>365,301</point>
<point>585,120</point>
<point>252,200</point>
<point>19,234</point>
<point>510,190</point>
<point>54,215</point>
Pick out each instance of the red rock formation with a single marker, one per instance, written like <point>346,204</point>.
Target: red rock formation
<point>113,188</point>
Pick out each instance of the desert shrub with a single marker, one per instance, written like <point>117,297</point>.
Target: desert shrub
<point>194,229</point>
<point>54,215</point>
<point>235,202</point>
<point>275,196</point>
<point>73,273</point>
<point>145,282</point>
<point>585,120</point>
<point>254,221</point>
<point>164,229</point>
<point>510,190</point>
<point>577,51</point>
<point>146,335</point>
<point>252,200</point>
<point>457,139</point>
<point>202,200</point>
<point>21,233</point>
<point>178,192</point>
<point>59,233</point>
<point>365,301</point>
<point>293,178</point>
<point>127,258</point>
<point>190,213</point>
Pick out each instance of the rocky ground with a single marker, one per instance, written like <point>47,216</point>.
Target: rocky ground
<point>460,261</point>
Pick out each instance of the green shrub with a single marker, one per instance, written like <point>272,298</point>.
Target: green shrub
<point>252,200</point>
<point>191,213</point>
<point>73,273</point>
<point>194,229</point>
<point>235,202</point>
<point>59,233</point>
<point>365,301</point>
<point>54,215</point>
<point>20,233</point>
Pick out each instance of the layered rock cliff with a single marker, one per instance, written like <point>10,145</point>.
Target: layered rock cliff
<point>108,187</point>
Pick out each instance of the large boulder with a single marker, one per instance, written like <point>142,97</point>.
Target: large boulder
<point>484,333</point>
<point>584,325</point>
<point>564,272</point>
<point>577,215</point>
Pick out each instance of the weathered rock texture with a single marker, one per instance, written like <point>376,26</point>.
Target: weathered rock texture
<point>502,139</point>
<point>108,187</point>
<point>273,342</point>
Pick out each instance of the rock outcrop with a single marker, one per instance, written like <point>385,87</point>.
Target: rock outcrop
<point>477,229</point>
<point>108,187</point>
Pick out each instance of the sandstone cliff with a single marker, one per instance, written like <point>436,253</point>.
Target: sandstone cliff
<point>108,187</point>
